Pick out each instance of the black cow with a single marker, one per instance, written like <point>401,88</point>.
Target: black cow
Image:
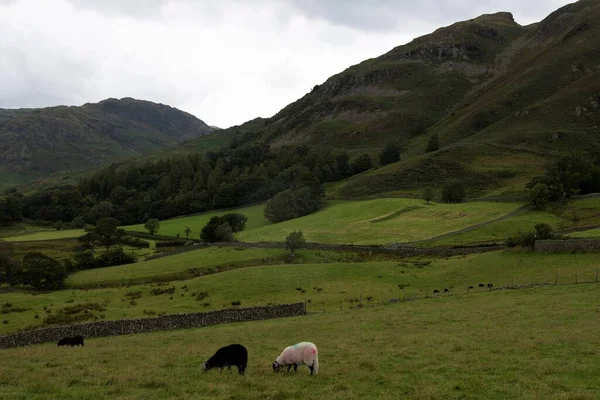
<point>234,354</point>
<point>71,341</point>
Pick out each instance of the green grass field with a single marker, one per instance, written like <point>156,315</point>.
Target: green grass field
<point>175,226</point>
<point>20,229</point>
<point>592,233</point>
<point>46,235</point>
<point>172,266</point>
<point>342,283</point>
<point>523,344</point>
<point>381,221</point>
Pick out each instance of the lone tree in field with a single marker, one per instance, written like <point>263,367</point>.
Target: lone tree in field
<point>187,232</point>
<point>294,241</point>
<point>428,194</point>
<point>390,154</point>
<point>453,192</point>
<point>42,272</point>
<point>433,144</point>
<point>152,225</point>
<point>539,196</point>
<point>108,231</point>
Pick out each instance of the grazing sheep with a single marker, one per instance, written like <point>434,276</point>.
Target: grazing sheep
<point>71,341</point>
<point>490,285</point>
<point>446,290</point>
<point>481,285</point>
<point>301,353</point>
<point>436,291</point>
<point>471,287</point>
<point>234,354</point>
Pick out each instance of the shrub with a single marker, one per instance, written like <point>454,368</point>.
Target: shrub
<point>222,228</point>
<point>136,242</point>
<point>170,243</point>
<point>202,296</point>
<point>361,163</point>
<point>453,192</point>
<point>158,291</point>
<point>152,225</point>
<point>116,256</point>
<point>521,239</point>
<point>539,196</point>
<point>390,154</point>
<point>433,144</point>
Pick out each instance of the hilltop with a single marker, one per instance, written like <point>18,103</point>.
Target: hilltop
<point>39,142</point>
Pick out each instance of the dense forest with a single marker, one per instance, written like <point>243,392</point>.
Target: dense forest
<point>246,172</point>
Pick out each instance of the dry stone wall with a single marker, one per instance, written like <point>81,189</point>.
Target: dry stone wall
<point>567,246</point>
<point>163,323</point>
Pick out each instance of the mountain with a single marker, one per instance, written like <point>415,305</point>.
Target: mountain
<point>38,142</point>
<point>502,98</point>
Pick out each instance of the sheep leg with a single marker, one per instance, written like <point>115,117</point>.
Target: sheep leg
<point>289,366</point>
<point>295,367</point>
<point>311,367</point>
<point>240,369</point>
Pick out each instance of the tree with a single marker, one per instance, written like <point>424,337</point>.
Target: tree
<point>390,154</point>
<point>89,240</point>
<point>543,231</point>
<point>108,231</point>
<point>42,272</point>
<point>294,241</point>
<point>8,266</point>
<point>281,207</point>
<point>187,232</point>
<point>433,144</point>
<point>428,194</point>
<point>237,222</point>
<point>361,163</point>
<point>219,228</point>
<point>453,192</point>
<point>152,225</point>
<point>539,196</point>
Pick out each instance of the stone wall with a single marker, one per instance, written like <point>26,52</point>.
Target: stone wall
<point>163,323</point>
<point>567,246</point>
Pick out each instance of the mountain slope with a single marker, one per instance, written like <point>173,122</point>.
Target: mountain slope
<point>37,142</point>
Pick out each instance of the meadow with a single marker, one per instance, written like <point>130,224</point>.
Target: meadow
<point>46,235</point>
<point>176,226</point>
<point>592,233</point>
<point>381,221</point>
<point>521,344</point>
<point>337,281</point>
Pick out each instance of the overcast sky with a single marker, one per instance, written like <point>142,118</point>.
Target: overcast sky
<point>225,61</point>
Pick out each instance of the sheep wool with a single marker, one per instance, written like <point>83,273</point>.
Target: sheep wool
<point>301,353</point>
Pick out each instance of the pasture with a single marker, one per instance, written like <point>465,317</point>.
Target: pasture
<point>46,235</point>
<point>338,281</point>
<point>176,226</point>
<point>381,221</point>
<point>524,344</point>
<point>592,233</point>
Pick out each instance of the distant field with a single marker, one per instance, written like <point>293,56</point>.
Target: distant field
<point>381,221</point>
<point>201,260</point>
<point>47,235</point>
<point>20,229</point>
<point>175,226</point>
<point>343,283</point>
<point>523,344</point>
<point>593,233</point>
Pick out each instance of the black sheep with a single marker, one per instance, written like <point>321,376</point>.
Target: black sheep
<point>436,291</point>
<point>234,354</point>
<point>470,287</point>
<point>481,285</point>
<point>71,341</point>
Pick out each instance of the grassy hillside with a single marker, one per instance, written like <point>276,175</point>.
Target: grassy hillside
<point>381,221</point>
<point>529,344</point>
<point>38,142</point>
<point>329,281</point>
<point>175,226</point>
<point>46,235</point>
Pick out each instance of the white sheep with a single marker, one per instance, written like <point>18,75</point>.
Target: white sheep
<point>301,353</point>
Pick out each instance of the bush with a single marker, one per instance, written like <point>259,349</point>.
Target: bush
<point>291,204</point>
<point>136,242</point>
<point>116,256</point>
<point>158,291</point>
<point>152,225</point>
<point>202,296</point>
<point>539,196</point>
<point>170,243</point>
<point>453,192</point>
<point>433,144</point>
<point>361,163</point>
<point>41,272</point>
<point>222,228</point>
<point>390,154</point>
<point>521,239</point>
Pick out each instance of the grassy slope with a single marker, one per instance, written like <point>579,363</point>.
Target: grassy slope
<point>528,344</point>
<point>176,226</point>
<point>353,221</point>
<point>342,284</point>
<point>198,259</point>
<point>593,233</point>
<point>47,235</point>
